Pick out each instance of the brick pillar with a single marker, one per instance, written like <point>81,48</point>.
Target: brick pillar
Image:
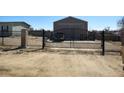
<point>24,34</point>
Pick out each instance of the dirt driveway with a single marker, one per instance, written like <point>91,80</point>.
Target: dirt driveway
<point>59,64</point>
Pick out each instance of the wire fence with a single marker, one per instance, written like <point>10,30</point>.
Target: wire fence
<point>71,40</point>
<point>13,39</point>
<point>44,39</point>
<point>102,41</point>
<point>34,41</point>
<point>75,44</point>
<point>10,38</point>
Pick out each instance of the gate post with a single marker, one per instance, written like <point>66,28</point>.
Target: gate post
<point>103,43</point>
<point>122,48</point>
<point>43,39</point>
<point>24,34</point>
<point>122,54</point>
<point>122,37</point>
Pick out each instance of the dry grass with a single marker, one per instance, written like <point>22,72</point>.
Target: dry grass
<point>53,62</point>
<point>59,64</point>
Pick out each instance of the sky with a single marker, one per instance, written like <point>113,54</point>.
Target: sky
<point>46,22</point>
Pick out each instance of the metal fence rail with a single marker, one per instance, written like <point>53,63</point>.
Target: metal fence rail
<point>75,44</point>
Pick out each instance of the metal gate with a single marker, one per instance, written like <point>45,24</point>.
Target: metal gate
<point>73,42</point>
<point>34,39</point>
<point>102,41</point>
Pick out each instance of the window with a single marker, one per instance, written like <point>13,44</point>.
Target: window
<point>4,28</point>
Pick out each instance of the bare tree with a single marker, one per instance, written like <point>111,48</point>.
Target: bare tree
<point>121,23</point>
<point>121,29</point>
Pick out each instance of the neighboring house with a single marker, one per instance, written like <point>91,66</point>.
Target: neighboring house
<point>117,32</point>
<point>12,28</point>
<point>71,28</point>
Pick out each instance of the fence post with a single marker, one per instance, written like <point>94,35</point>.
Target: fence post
<point>2,40</point>
<point>2,33</point>
<point>24,34</point>
<point>103,43</point>
<point>122,54</point>
<point>43,39</point>
<point>122,37</point>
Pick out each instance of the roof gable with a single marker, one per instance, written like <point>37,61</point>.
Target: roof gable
<point>70,20</point>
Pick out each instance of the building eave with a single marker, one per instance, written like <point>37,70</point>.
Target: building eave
<point>17,23</point>
<point>72,18</point>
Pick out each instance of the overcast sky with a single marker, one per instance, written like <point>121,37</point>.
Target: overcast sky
<point>46,22</point>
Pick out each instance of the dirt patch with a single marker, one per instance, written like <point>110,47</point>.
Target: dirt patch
<point>4,69</point>
<point>59,64</point>
<point>50,62</point>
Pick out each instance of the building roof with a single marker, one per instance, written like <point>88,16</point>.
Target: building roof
<point>70,19</point>
<point>16,23</point>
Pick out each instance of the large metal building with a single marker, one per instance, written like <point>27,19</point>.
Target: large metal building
<point>71,28</point>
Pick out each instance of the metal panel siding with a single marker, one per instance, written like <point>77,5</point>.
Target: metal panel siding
<point>16,30</point>
<point>10,28</point>
<point>76,30</point>
<point>81,25</point>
